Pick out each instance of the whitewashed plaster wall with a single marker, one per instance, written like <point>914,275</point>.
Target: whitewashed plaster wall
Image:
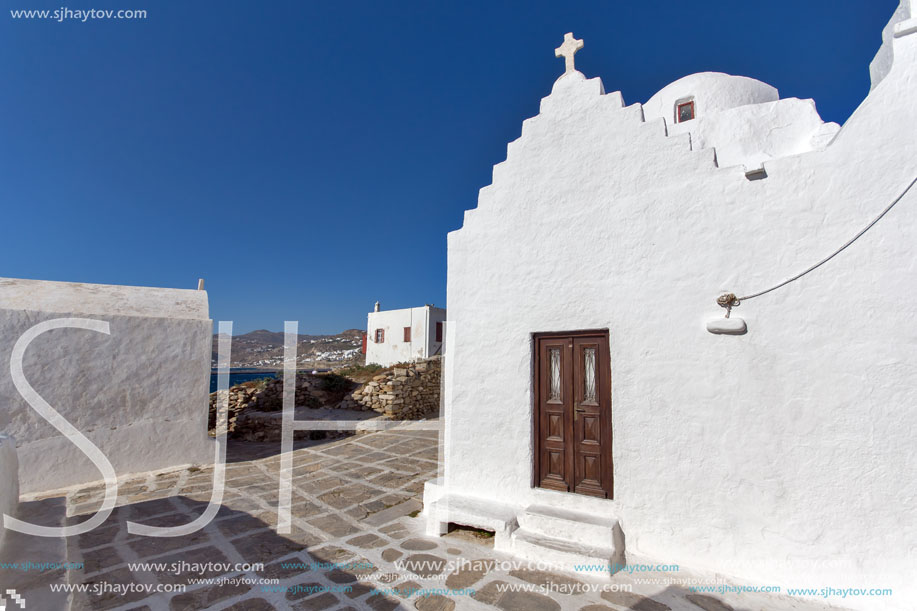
<point>712,92</point>
<point>9,480</point>
<point>882,62</point>
<point>784,456</point>
<point>139,394</point>
<point>743,119</point>
<point>394,349</point>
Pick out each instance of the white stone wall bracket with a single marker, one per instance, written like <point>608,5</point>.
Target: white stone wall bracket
<point>727,326</point>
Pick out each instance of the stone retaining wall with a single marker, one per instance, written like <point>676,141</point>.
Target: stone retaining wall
<point>409,392</point>
<point>266,397</point>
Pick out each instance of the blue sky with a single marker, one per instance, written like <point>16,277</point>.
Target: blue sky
<point>308,158</point>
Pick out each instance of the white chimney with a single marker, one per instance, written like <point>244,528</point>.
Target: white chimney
<point>378,307</point>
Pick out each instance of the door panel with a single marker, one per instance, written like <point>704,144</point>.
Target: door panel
<point>554,402</point>
<point>588,416</point>
<point>573,413</point>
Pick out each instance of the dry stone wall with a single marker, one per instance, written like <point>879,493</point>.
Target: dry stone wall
<point>266,397</point>
<point>408,392</point>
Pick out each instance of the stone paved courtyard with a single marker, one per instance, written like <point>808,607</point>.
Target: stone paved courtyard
<point>355,505</point>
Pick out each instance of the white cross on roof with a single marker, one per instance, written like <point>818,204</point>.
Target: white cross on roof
<point>567,50</point>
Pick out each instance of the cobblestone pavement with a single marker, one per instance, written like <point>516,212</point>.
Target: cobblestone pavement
<point>354,509</point>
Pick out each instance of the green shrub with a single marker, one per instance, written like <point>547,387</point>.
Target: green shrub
<point>257,384</point>
<point>360,373</point>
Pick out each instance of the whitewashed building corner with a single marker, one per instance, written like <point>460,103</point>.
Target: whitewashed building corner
<point>9,480</point>
<point>139,392</point>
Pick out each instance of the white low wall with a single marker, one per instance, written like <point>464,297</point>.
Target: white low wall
<point>139,393</point>
<point>9,480</point>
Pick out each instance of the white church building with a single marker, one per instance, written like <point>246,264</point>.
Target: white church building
<point>600,406</point>
<point>405,335</point>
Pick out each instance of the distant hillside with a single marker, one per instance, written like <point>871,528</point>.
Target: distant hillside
<point>263,349</point>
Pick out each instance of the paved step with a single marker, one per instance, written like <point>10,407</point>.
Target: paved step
<point>474,512</point>
<point>578,527</point>
<point>566,539</point>
<point>564,554</point>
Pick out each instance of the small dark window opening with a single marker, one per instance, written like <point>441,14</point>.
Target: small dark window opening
<point>684,112</point>
<point>439,331</point>
<point>380,336</point>
<point>407,334</point>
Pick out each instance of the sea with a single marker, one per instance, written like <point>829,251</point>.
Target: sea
<point>237,377</point>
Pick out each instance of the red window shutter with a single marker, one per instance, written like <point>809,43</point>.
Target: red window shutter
<point>407,334</point>
<point>684,112</point>
<point>439,331</point>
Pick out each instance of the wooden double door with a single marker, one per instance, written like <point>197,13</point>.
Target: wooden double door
<point>572,413</point>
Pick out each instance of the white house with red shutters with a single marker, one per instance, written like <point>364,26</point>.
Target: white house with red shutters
<point>400,336</point>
